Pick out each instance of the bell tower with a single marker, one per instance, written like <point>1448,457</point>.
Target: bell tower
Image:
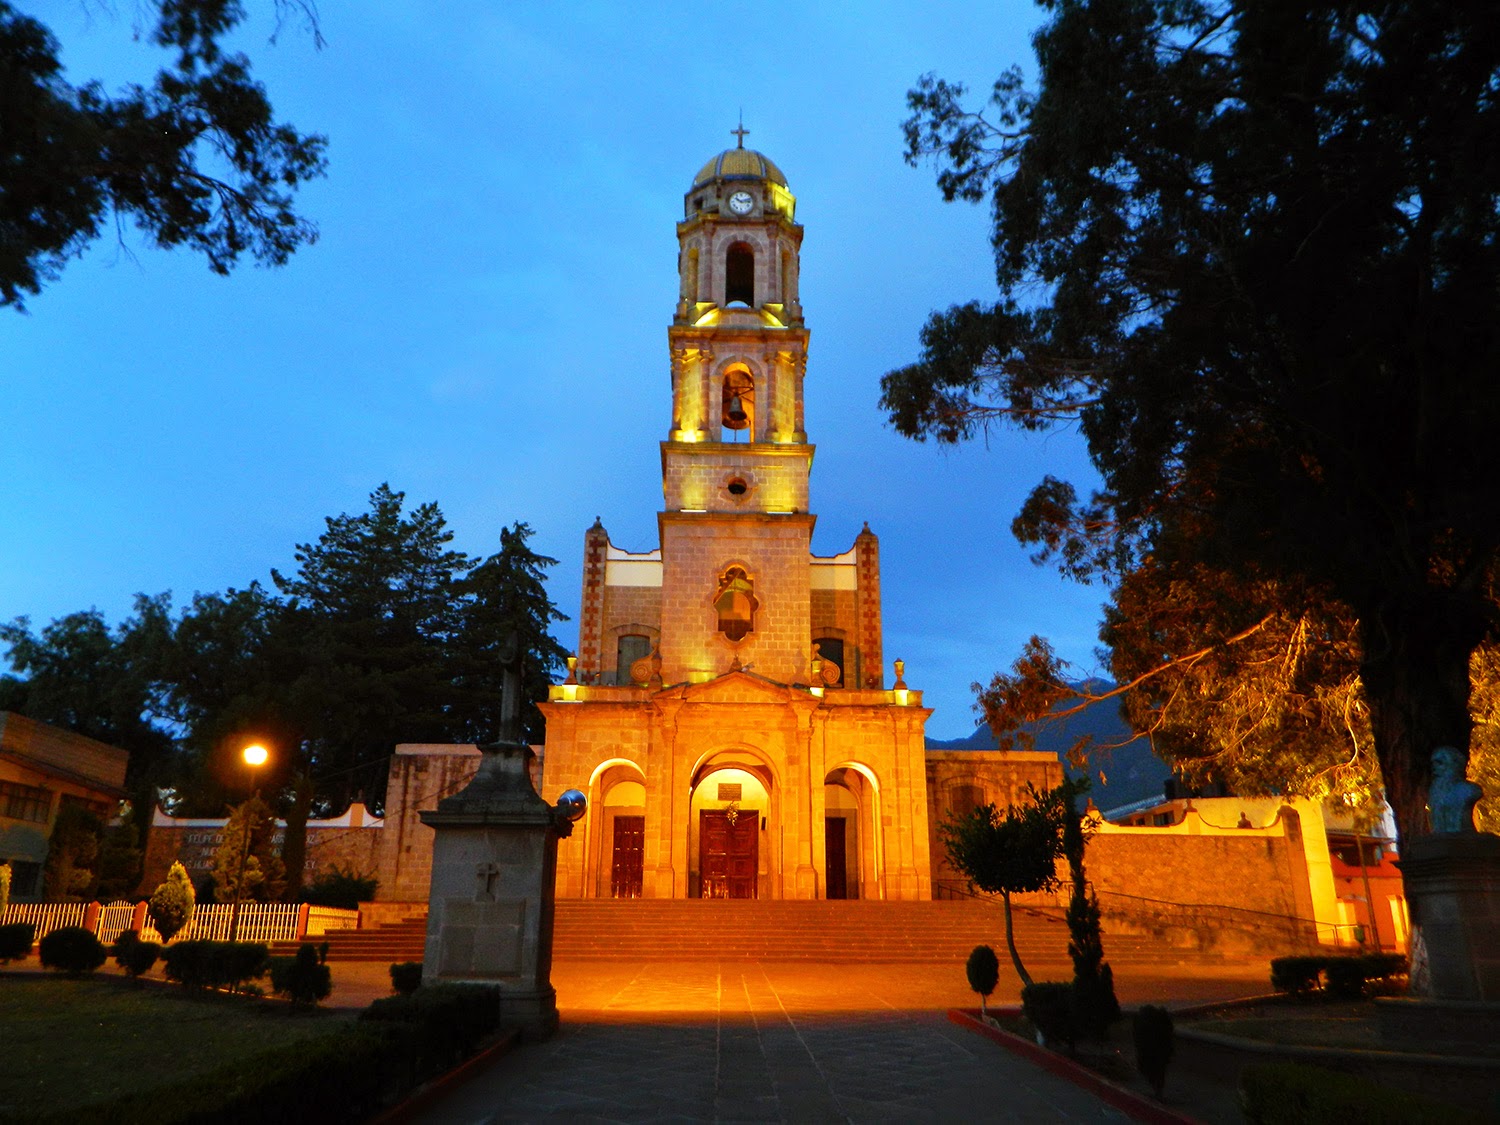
<point>736,461</point>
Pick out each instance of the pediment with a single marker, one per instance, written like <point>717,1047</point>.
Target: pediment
<point>740,687</point>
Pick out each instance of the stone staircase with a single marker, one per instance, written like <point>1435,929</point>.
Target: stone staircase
<point>777,930</point>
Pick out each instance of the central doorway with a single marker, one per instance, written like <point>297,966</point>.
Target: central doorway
<point>729,850</point>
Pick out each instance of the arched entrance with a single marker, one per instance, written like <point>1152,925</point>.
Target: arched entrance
<point>618,840</point>
<point>732,828</point>
<point>853,855</point>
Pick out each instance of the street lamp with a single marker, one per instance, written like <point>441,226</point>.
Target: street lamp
<point>255,756</point>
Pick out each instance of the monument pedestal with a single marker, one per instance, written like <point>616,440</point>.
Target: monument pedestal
<point>490,906</point>
<point>1453,890</point>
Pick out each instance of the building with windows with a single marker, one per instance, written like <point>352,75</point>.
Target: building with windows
<point>42,769</point>
<point>731,715</point>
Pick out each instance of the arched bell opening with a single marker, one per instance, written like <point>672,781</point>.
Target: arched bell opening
<point>732,829</point>
<point>853,855</point>
<point>617,844</point>
<point>739,275</point>
<point>737,402</point>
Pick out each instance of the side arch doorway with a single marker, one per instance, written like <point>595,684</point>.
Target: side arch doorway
<point>853,863</point>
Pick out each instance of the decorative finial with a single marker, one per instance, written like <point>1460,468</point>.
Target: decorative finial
<point>741,131</point>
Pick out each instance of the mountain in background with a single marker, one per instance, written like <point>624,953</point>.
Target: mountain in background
<point>1121,776</point>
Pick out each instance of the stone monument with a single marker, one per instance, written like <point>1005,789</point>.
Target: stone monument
<point>494,862</point>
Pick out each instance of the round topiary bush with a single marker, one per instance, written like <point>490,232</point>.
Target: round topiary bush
<point>71,949</point>
<point>406,977</point>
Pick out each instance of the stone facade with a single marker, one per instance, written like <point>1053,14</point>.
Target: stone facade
<point>729,717</point>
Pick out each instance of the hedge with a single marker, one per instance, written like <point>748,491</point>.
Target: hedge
<point>214,964</point>
<point>1345,976</point>
<point>15,941</point>
<point>451,1019</point>
<point>71,949</point>
<point>1271,1093</point>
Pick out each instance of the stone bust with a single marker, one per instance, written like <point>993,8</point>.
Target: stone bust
<point>1451,797</point>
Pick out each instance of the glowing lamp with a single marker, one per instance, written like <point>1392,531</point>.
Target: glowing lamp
<point>255,754</point>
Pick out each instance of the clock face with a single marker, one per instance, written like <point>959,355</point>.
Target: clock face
<point>740,203</point>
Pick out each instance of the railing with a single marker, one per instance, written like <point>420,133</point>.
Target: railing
<point>46,916</point>
<point>259,921</point>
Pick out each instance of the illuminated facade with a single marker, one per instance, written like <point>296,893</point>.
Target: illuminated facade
<point>729,716</point>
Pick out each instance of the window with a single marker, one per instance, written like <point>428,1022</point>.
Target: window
<point>739,275</point>
<point>24,876</point>
<point>628,649</point>
<point>831,652</point>
<point>735,604</point>
<point>25,802</point>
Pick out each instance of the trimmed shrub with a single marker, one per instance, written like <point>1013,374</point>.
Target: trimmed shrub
<point>1049,1007</point>
<point>71,949</point>
<point>1271,1093</point>
<point>1155,1041</point>
<point>215,964</point>
<point>171,904</point>
<point>341,887</point>
<point>15,941</point>
<point>451,1018</point>
<point>1344,977</point>
<point>134,955</point>
<point>406,977</point>
<point>1094,1004</point>
<point>1296,974</point>
<point>304,978</point>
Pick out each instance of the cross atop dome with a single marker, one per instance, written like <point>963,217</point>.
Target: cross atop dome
<point>740,132</point>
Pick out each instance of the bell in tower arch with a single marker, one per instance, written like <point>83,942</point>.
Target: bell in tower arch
<point>738,396</point>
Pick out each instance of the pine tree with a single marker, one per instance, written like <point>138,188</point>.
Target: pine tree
<point>246,866</point>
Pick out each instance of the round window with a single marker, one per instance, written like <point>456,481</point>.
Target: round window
<point>737,487</point>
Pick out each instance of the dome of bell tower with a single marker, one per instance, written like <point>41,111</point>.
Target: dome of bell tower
<point>739,164</point>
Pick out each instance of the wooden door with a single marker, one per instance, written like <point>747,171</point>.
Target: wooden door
<point>625,871</point>
<point>729,853</point>
<point>833,849</point>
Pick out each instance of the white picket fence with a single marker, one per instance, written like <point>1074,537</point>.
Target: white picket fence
<point>259,921</point>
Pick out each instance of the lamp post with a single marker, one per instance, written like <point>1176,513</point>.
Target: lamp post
<point>255,756</point>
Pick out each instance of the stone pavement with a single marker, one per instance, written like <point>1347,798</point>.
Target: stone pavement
<point>755,1041</point>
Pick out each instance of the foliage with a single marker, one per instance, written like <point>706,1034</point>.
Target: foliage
<point>70,873</point>
<point>505,596</point>
<point>5,876</point>
<point>1261,282</point>
<point>983,971</point>
<point>1014,852</point>
<point>1093,980</point>
<point>294,841</point>
<point>200,965</point>
<point>71,949</point>
<point>246,865</point>
<point>134,955</point>
<point>341,887</point>
<point>406,977</point>
<point>171,904</point>
<point>1049,1005</point>
<point>80,675</point>
<point>120,860</point>
<point>1155,1037</point>
<point>1276,1092</point>
<point>304,978</point>
<point>15,941</point>
<point>191,158</point>
<point>451,1018</point>
<point>1340,976</point>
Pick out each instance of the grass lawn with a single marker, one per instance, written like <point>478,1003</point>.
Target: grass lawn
<point>66,1043</point>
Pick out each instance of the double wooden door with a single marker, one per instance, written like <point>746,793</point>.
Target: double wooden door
<point>629,856</point>
<point>729,853</point>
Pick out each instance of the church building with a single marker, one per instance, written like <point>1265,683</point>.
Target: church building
<point>729,713</point>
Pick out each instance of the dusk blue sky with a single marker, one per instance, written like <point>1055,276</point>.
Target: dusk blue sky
<point>483,321</point>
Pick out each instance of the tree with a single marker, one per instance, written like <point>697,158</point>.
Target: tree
<point>1253,252</point>
<point>193,158</point>
<point>1094,1004</point>
<point>506,595</point>
<point>246,866</point>
<point>983,971</point>
<point>171,904</point>
<point>1008,853</point>
<point>71,871</point>
<point>375,607</point>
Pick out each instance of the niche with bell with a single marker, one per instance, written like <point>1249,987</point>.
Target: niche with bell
<point>738,398</point>
<point>735,604</point>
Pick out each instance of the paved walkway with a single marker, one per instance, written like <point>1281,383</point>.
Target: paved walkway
<point>700,1041</point>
